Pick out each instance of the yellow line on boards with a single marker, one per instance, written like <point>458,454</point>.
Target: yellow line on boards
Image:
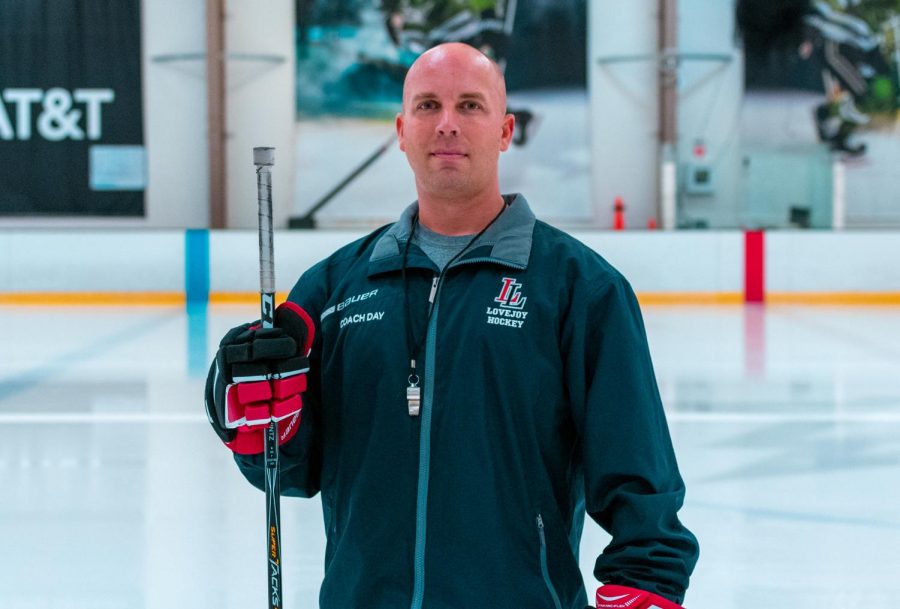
<point>242,297</point>
<point>67,299</point>
<point>835,298</point>
<point>690,298</point>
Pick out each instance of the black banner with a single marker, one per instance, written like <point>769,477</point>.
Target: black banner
<point>71,121</point>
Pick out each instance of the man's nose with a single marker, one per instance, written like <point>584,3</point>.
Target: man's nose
<point>448,125</point>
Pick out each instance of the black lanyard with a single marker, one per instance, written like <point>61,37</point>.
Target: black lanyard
<point>413,346</point>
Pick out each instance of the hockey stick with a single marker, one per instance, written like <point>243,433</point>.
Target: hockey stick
<point>264,158</point>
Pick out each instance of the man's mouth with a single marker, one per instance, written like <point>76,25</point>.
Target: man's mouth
<point>448,154</point>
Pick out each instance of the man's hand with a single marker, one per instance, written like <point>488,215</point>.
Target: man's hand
<point>616,597</point>
<point>259,375</point>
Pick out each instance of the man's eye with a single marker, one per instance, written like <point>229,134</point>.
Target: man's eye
<point>427,105</point>
<point>471,105</point>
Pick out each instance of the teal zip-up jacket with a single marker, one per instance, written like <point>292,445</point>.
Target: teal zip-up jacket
<point>539,404</point>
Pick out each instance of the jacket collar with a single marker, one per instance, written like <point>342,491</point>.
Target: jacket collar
<point>507,241</point>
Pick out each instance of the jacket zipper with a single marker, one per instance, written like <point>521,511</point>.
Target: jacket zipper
<point>425,445</point>
<point>434,286</point>
<point>544,570</point>
<point>425,449</point>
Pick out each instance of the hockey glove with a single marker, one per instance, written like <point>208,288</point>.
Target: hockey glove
<point>616,597</point>
<point>259,375</point>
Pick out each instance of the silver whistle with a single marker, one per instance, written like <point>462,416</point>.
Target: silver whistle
<point>414,400</point>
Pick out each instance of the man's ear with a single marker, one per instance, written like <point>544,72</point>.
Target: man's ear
<point>398,122</point>
<point>509,126</point>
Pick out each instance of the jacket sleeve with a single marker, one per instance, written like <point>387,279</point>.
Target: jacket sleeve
<point>300,459</point>
<point>633,488</point>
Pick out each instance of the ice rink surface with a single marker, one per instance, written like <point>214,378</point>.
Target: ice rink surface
<point>116,494</point>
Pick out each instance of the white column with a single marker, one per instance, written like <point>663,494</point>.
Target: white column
<point>624,116</point>
<point>838,194</point>
<point>669,191</point>
<point>260,102</point>
<point>175,113</point>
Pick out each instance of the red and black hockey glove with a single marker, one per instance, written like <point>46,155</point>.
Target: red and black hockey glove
<point>258,375</point>
<point>620,597</point>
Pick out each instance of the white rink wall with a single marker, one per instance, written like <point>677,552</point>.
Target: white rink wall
<point>708,262</point>
<point>653,262</point>
<point>33,262</point>
<point>234,257</point>
<point>846,261</point>
<point>40,261</point>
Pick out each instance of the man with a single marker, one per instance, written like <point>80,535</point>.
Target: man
<point>478,381</point>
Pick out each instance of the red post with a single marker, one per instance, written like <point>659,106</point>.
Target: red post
<point>754,266</point>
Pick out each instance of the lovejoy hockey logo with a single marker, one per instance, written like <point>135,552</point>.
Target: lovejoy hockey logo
<point>510,312</point>
<point>510,294</point>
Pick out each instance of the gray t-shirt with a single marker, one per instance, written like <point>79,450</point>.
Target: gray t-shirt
<point>440,248</point>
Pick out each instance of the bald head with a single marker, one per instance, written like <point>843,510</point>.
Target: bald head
<point>453,127</point>
<point>452,60</point>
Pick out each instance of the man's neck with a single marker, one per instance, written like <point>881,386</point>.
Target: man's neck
<point>459,217</point>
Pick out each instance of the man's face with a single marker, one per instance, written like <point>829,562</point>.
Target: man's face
<point>454,123</point>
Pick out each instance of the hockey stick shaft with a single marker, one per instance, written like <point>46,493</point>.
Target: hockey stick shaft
<point>264,158</point>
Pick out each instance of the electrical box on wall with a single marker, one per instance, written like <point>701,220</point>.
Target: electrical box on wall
<point>699,179</point>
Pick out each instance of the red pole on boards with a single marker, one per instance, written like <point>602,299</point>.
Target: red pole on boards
<point>754,266</point>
